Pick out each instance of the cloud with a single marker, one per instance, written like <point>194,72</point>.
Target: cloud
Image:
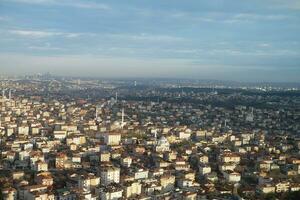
<point>251,17</point>
<point>148,37</point>
<point>253,52</point>
<point>2,18</point>
<point>223,17</point>
<point>90,5</point>
<point>38,34</point>
<point>46,47</point>
<point>33,1</point>
<point>69,3</point>
<point>285,4</point>
<point>43,34</point>
<point>213,16</point>
<point>264,45</point>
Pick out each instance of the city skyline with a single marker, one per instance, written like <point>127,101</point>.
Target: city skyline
<point>220,40</point>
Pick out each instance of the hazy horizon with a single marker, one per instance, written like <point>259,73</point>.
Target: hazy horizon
<point>248,41</point>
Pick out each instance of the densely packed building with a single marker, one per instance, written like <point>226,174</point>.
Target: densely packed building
<point>119,148</point>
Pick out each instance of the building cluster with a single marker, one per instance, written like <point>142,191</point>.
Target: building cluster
<point>116,149</point>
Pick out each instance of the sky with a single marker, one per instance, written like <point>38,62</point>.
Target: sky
<point>238,40</point>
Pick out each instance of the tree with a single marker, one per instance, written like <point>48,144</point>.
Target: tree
<point>293,196</point>
<point>270,196</point>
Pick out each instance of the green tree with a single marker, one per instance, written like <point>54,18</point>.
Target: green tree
<point>293,196</point>
<point>271,196</point>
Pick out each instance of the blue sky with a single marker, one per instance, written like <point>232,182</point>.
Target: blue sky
<point>249,40</point>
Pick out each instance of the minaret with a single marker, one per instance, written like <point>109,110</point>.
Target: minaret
<point>9,95</point>
<point>122,123</point>
<point>96,113</point>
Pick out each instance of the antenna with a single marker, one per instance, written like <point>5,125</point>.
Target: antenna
<point>252,111</point>
<point>225,123</point>
<point>116,96</point>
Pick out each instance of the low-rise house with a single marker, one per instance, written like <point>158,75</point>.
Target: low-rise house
<point>44,178</point>
<point>9,194</point>
<point>282,186</point>
<point>110,193</point>
<point>167,182</point>
<point>232,176</point>
<point>267,188</point>
<point>204,169</point>
<point>132,189</point>
<point>110,175</point>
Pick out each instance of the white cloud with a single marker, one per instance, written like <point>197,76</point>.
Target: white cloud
<point>70,3</point>
<point>242,17</point>
<point>286,4</point>
<point>148,37</point>
<point>3,18</point>
<point>37,34</point>
<point>214,16</point>
<point>256,52</point>
<point>89,5</point>
<point>264,45</point>
<point>46,47</point>
<point>33,1</point>
<point>142,37</point>
<point>43,34</point>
